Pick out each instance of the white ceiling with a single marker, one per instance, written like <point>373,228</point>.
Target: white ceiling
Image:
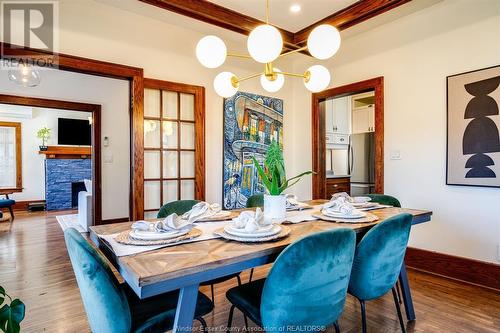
<point>280,14</point>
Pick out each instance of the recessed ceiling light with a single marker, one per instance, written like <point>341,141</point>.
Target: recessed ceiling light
<point>295,8</point>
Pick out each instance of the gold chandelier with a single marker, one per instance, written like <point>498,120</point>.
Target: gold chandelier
<point>265,45</point>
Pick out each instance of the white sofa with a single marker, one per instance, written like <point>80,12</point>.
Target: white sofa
<point>85,209</point>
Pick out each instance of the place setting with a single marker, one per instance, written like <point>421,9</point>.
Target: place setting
<point>346,209</point>
<point>252,227</point>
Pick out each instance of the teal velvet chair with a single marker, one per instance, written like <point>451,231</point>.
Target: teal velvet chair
<point>114,308</point>
<point>379,257</point>
<point>307,285</point>
<point>180,207</point>
<point>8,203</point>
<point>256,200</point>
<point>385,199</point>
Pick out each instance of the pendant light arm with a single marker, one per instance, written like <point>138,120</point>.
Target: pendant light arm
<point>267,11</point>
<point>293,51</point>
<point>239,55</point>
<point>294,74</point>
<point>248,77</point>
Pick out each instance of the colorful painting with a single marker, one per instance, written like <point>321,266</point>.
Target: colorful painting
<point>251,123</point>
<point>473,128</point>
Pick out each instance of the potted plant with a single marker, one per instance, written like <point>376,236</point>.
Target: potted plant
<point>274,179</point>
<point>11,313</point>
<point>44,134</point>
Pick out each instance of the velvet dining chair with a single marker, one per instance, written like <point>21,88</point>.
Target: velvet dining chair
<point>306,287</point>
<point>384,199</point>
<point>180,207</point>
<point>256,200</point>
<point>112,307</point>
<point>377,263</point>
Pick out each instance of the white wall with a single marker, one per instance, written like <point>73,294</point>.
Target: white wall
<point>113,96</point>
<point>32,162</point>
<point>415,54</point>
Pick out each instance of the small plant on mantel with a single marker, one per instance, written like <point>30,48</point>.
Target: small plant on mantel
<point>273,177</point>
<point>11,313</point>
<point>44,134</point>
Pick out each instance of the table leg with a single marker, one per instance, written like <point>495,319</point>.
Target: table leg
<point>405,290</point>
<point>186,306</point>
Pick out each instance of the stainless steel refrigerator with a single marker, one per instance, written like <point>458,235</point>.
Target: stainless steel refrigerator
<point>361,163</point>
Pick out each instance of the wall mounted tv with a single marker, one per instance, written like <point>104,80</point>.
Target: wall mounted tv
<point>75,132</point>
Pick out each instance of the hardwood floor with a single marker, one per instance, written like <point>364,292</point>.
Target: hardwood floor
<point>34,266</point>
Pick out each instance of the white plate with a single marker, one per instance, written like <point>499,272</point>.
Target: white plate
<point>151,235</point>
<point>361,199</point>
<point>356,215</point>
<point>364,204</point>
<point>263,232</point>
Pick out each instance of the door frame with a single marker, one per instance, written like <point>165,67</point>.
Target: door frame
<point>134,75</point>
<point>95,109</point>
<point>319,132</point>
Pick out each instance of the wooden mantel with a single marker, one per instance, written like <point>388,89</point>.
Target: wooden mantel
<point>67,152</point>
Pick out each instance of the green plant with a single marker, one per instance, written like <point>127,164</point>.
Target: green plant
<point>11,314</point>
<point>273,174</point>
<point>44,134</point>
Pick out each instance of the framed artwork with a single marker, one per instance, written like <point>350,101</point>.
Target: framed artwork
<point>473,140</point>
<point>251,123</point>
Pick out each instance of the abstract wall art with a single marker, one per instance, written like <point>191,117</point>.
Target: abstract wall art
<point>473,156</point>
<point>251,123</point>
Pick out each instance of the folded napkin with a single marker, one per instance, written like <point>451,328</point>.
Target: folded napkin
<point>338,205</point>
<point>347,197</point>
<point>171,223</point>
<point>249,221</point>
<point>291,201</point>
<point>201,210</point>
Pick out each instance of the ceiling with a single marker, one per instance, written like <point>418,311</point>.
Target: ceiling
<point>280,14</point>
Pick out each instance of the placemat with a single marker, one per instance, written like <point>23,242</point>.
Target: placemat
<point>367,219</point>
<point>124,238</point>
<point>283,233</point>
<point>227,217</point>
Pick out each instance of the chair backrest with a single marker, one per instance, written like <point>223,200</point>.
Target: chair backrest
<point>104,301</point>
<point>256,200</point>
<point>179,207</point>
<point>379,256</point>
<point>385,199</point>
<point>307,284</point>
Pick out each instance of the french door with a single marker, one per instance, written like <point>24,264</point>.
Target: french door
<point>174,151</point>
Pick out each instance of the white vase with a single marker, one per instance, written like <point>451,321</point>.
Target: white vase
<point>274,206</point>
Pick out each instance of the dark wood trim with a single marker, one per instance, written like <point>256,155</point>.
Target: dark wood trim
<point>350,16</point>
<point>116,220</point>
<point>95,67</point>
<point>464,269</point>
<point>19,153</point>
<point>96,137</point>
<point>67,152</point>
<point>229,19</point>
<point>199,116</point>
<point>319,132</point>
<point>23,205</point>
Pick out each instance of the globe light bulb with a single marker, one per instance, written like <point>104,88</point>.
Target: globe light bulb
<point>265,43</point>
<point>25,76</point>
<point>223,84</point>
<point>211,51</point>
<point>272,86</point>
<point>323,42</point>
<point>317,78</point>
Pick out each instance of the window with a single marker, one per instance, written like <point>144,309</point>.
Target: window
<point>173,144</point>
<point>10,156</point>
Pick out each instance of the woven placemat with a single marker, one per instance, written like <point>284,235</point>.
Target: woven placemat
<point>367,219</point>
<point>285,231</point>
<point>226,217</point>
<point>124,238</point>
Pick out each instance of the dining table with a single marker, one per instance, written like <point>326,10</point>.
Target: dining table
<point>184,267</point>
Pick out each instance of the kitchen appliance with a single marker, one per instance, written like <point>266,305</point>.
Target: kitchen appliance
<point>361,163</point>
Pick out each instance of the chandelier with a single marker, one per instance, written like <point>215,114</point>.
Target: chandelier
<point>265,45</point>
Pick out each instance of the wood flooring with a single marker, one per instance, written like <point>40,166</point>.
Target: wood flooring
<point>34,266</point>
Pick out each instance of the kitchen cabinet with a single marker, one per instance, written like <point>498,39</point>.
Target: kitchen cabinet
<point>338,115</point>
<point>337,185</point>
<point>363,119</point>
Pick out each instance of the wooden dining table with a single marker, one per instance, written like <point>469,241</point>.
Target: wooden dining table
<point>185,266</point>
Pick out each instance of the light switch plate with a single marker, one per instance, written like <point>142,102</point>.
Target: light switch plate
<point>395,155</point>
<point>108,158</point>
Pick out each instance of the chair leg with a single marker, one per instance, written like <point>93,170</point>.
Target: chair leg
<point>239,280</point>
<point>398,309</point>
<point>337,328</point>
<point>203,324</point>
<point>363,315</point>
<point>230,319</point>
<point>398,289</point>
<point>244,316</point>
<point>213,294</point>
<point>11,212</point>
<point>251,275</point>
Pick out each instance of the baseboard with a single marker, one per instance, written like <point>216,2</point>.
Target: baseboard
<point>469,270</point>
<point>117,220</point>
<point>23,205</point>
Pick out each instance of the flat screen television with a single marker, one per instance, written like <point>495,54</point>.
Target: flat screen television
<point>75,132</point>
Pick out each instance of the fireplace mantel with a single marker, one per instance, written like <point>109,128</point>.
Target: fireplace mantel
<point>65,152</point>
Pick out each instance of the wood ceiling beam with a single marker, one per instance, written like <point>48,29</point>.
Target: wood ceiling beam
<point>354,14</point>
